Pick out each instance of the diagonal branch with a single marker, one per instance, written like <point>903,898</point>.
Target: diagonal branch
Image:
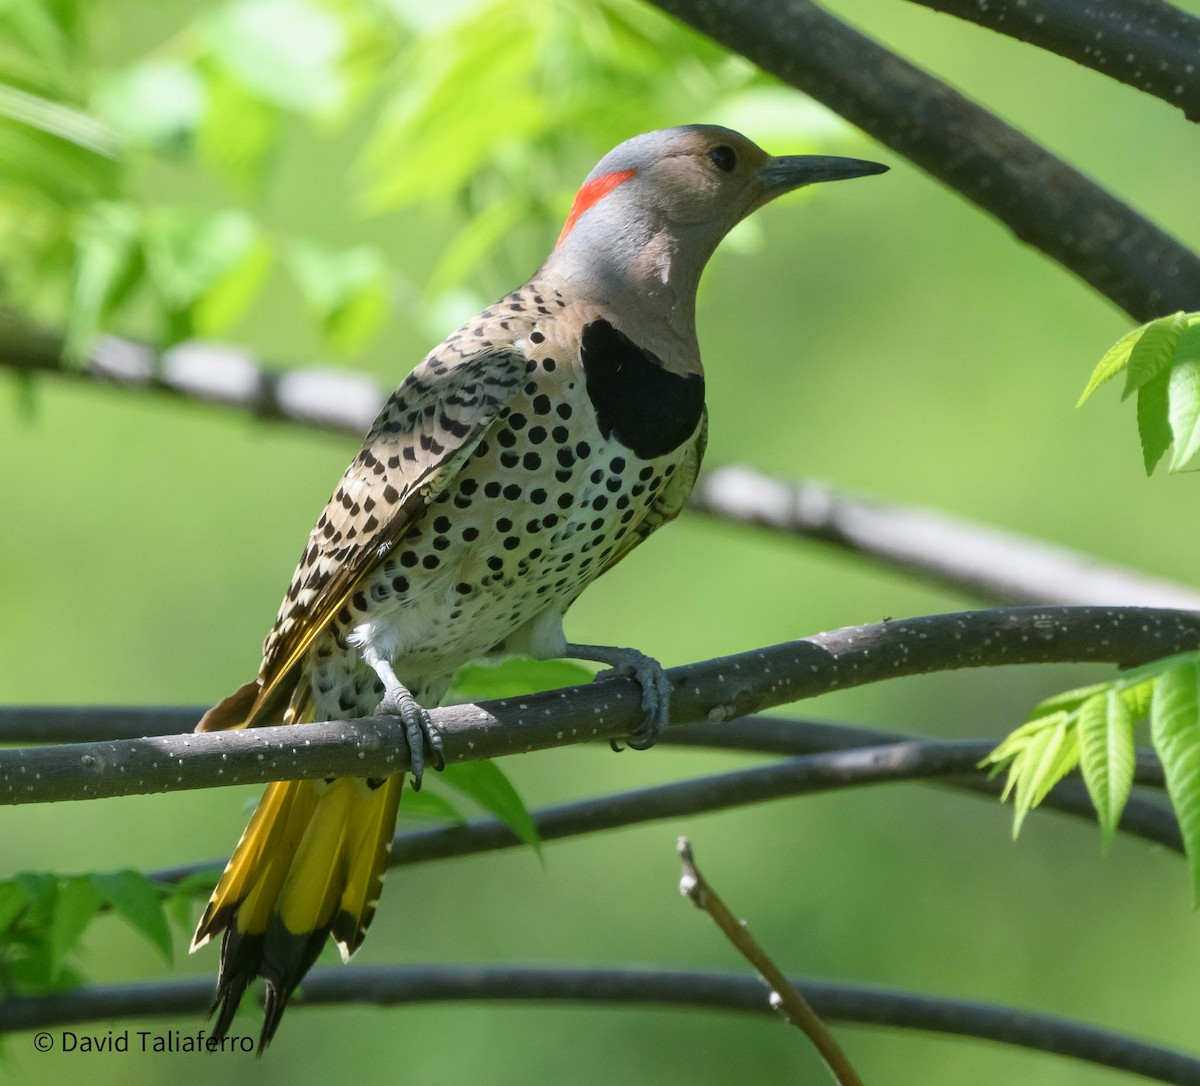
<point>993,565</point>
<point>784,998</point>
<point>386,986</point>
<point>1148,44</point>
<point>1044,201</point>
<point>716,690</point>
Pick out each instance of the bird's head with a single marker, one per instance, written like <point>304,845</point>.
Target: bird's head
<point>650,214</point>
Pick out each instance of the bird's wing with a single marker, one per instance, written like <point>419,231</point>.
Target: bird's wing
<point>425,433</point>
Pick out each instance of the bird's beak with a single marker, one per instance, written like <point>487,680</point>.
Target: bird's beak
<point>781,175</point>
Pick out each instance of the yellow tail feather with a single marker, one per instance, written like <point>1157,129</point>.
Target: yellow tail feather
<point>309,864</point>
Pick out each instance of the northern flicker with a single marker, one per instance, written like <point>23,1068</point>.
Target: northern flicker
<point>521,459</point>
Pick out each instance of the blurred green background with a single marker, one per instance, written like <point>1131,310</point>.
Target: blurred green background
<point>883,336</point>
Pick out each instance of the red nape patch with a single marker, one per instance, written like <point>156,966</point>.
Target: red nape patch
<point>592,191</point>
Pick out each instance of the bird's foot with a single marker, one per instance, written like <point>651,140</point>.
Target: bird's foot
<point>419,730</point>
<point>649,674</point>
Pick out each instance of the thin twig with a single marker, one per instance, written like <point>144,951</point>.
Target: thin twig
<point>783,998</point>
<point>1147,44</point>
<point>715,690</point>
<point>991,565</point>
<point>1042,199</point>
<point>383,986</point>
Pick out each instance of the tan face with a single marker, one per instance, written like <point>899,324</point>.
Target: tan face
<point>711,175</point>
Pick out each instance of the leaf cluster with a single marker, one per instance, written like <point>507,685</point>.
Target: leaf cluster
<point>1161,362</point>
<point>43,918</point>
<point>1092,728</point>
<point>481,116</point>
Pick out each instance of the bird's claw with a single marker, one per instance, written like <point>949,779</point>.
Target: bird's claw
<point>419,730</point>
<point>656,697</point>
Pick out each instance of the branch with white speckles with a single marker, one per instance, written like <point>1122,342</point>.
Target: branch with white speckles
<point>385,986</point>
<point>714,690</point>
<point>997,566</point>
<point>1044,201</point>
<point>1147,44</point>
<point>954,763</point>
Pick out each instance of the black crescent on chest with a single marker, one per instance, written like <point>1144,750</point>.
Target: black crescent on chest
<point>637,401</point>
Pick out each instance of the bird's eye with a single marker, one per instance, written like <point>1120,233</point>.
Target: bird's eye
<point>723,157</point>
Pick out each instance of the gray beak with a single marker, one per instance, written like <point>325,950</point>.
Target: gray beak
<point>791,171</point>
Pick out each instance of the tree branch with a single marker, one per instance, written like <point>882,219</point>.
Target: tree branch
<point>716,690</point>
<point>996,566</point>
<point>941,762</point>
<point>1146,44</point>
<point>784,999</point>
<point>710,990</point>
<point>338,400</point>
<point>1042,199</point>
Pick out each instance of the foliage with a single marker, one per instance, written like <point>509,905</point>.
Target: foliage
<point>232,95</point>
<point>1093,728</point>
<point>1161,361</point>
<point>43,918</point>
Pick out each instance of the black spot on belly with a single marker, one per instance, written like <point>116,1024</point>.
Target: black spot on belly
<point>645,407</point>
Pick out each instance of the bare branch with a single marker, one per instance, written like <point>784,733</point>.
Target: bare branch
<point>783,997</point>
<point>715,690</point>
<point>954,763</point>
<point>1147,44</point>
<point>386,986</point>
<point>1044,201</point>
<point>996,566</point>
<point>339,400</point>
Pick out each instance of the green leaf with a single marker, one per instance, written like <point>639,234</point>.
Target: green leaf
<point>1183,396</point>
<point>1153,352</point>
<point>1136,697</point>
<point>78,902</point>
<point>1115,359</point>
<point>107,261</point>
<point>287,51</point>
<point>157,103</point>
<point>1175,729</point>
<point>183,894</point>
<point>139,901</point>
<point>347,289</point>
<point>57,119</point>
<point>516,676</point>
<point>1016,741</point>
<point>429,807</point>
<point>475,240</point>
<point>238,131</point>
<point>13,899</point>
<point>1106,757</point>
<point>196,257</point>
<point>1154,428</point>
<point>486,783</point>
<point>1046,758</point>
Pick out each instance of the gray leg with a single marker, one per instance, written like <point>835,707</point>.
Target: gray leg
<point>656,690</point>
<point>418,728</point>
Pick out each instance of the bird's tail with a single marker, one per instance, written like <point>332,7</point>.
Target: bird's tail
<point>309,864</point>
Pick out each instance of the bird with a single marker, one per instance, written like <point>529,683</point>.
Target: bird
<point>522,458</point>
